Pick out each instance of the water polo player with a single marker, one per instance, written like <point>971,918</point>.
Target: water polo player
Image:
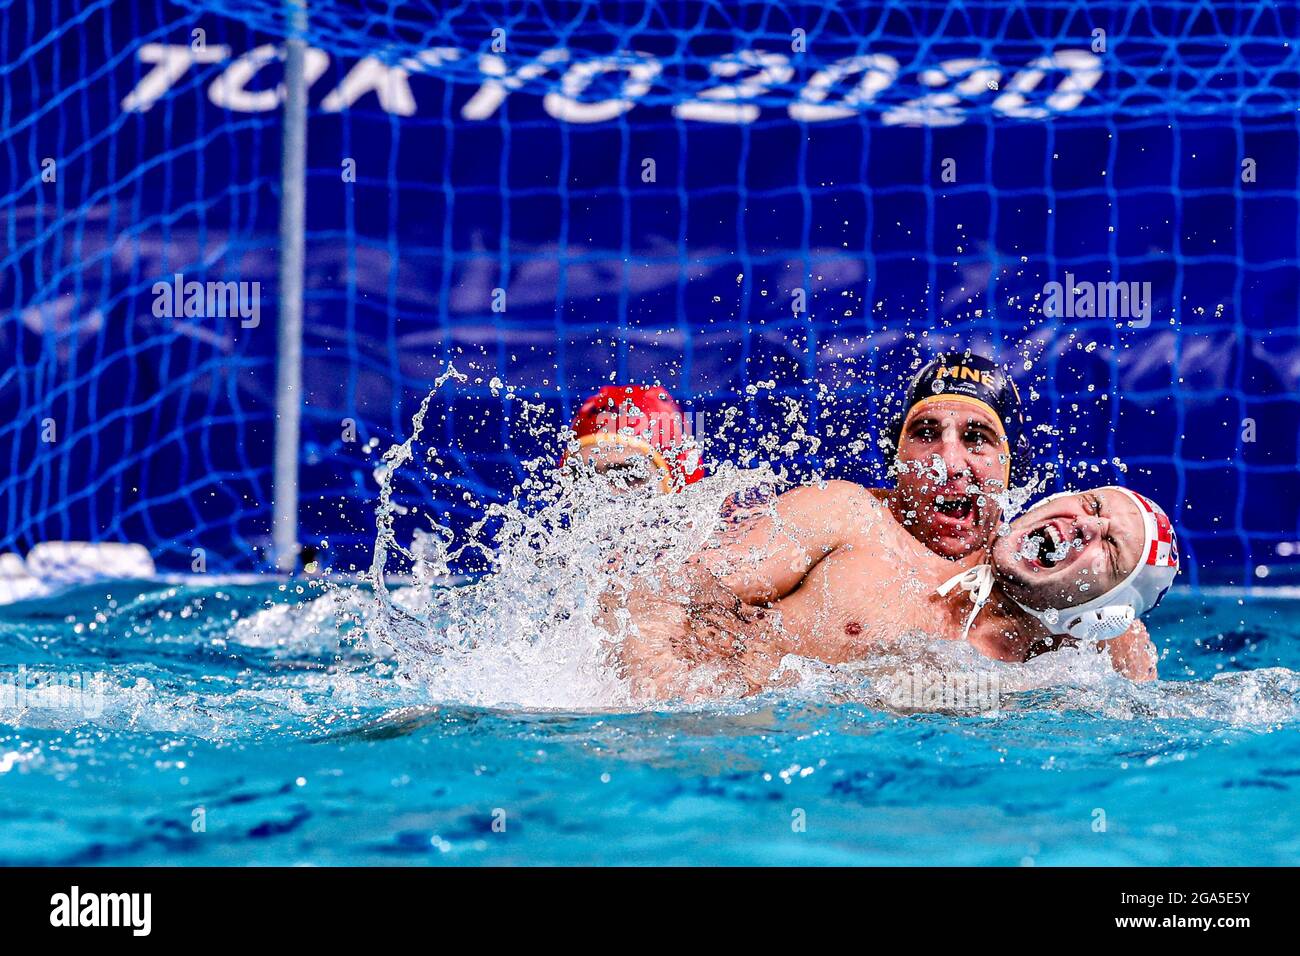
<point>957,442</point>
<point>828,574</point>
<point>636,436</point>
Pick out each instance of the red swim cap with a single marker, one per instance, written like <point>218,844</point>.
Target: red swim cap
<point>644,418</point>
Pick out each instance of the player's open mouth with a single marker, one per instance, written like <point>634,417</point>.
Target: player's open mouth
<point>1045,547</point>
<point>958,508</point>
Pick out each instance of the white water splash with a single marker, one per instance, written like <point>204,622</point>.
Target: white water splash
<point>528,632</point>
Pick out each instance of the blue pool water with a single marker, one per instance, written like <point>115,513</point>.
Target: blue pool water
<point>201,740</point>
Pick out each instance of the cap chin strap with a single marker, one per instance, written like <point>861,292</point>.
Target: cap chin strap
<point>979,582</point>
<point>1088,624</point>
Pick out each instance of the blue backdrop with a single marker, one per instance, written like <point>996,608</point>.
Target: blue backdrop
<point>921,170</point>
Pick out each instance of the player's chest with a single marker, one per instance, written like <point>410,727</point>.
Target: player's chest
<point>852,599</point>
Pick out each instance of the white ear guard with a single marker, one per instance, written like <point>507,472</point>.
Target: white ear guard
<point>1111,614</point>
<point>1102,624</point>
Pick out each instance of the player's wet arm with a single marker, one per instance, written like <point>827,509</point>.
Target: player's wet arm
<point>766,556</point>
<point>1133,653</point>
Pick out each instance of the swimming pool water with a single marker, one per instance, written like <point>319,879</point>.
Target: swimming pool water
<point>201,741</point>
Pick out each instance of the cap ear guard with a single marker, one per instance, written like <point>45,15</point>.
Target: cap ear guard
<point>1102,624</point>
<point>1091,624</point>
<point>1105,624</point>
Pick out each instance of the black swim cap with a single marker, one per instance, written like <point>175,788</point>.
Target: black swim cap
<point>970,377</point>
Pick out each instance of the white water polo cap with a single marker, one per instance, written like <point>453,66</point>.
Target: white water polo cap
<point>1111,614</point>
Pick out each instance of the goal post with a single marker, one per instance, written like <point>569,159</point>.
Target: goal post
<point>293,236</point>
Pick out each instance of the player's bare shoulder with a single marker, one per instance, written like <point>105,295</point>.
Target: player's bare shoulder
<point>870,525</point>
<point>851,506</point>
<point>819,518</point>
